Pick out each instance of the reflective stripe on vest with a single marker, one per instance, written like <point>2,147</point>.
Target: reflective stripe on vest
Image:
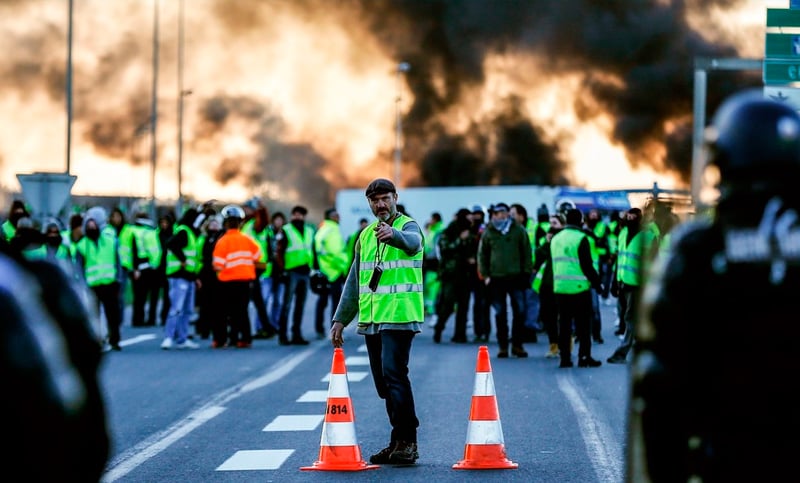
<point>189,251</point>
<point>629,259</point>
<point>398,298</point>
<point>262,238</point>
<point>299,250</point>
<point>331,252</point>
<point>148,247</point>
<point>100,260</point>
<point>568,278</point>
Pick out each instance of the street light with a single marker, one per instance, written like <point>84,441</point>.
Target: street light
<point>402,67</point>
<point>181,94</point>
<point>154,114</point>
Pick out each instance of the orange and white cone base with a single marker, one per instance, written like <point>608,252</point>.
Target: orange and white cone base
<point>485,448</point>
<point>339,450</point>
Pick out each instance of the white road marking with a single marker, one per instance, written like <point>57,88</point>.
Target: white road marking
<point>599,439</point>
<point>313,396</point>
<point>137,339</point>
<point>295,422</point>
<point>356,361</point>
<point>152,446</point>
<point>262,459</point>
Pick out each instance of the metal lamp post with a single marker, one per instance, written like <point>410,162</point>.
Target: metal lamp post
<point>154,114</point>
<point>402,67</point>
<point>181,94</point>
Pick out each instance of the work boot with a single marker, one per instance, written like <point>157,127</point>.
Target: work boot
<point>502,353</point>
<point>553,353</point>
<point>404,454</point>
<point>518,351</point>
<point>382,456</point>
<point>588,362</point>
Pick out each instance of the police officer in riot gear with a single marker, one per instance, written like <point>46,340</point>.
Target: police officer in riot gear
<point>717,355</point>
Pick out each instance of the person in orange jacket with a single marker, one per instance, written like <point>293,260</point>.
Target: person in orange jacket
<point>237,260</point>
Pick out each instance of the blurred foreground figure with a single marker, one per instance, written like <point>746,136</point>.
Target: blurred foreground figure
<point>55,426</point>
<point>717,354</point>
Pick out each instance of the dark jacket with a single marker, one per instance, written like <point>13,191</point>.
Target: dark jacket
<point>505,255</point>
<point>455,251</point>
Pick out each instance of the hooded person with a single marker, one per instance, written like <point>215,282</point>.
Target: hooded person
<point>54,249</point>
<point>51,366</point>
<point>27,239</point>
<point>99,216</point>
<point>183,265</point>
<point>97,260</point>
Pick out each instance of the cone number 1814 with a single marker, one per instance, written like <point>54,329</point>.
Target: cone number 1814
<point>337,409</point>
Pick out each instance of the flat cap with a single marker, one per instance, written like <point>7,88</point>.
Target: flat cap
<point>380,186</point>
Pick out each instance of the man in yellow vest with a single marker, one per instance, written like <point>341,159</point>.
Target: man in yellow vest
<point>384,290</point>
<point>298,261</point>
<point>574,276</point>
<point>333,265</point>
<point>636,244</point>
<point>145,258</point>
<point>183,265</point>
<point>97,256</point>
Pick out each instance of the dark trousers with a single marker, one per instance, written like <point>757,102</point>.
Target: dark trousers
<point>297,289</point>
<point>260,304</point>
<point>108,297</point>
<point>145,290</point>
<point>389,352</point>
<point>629,296</point>
<point>501,291</point>
<point>235,321</point>
<point>332,292</point>
<point>209,305</point>
<point>574,310</point>
<point>597,320</point>
<point>481,321</point>
<point>454,294</point>
<point>606,272</point>
<point>548,314</point>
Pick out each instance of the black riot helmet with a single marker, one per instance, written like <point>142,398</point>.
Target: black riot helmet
<point>755,142</point>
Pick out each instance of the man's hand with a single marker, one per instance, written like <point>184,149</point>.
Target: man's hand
<point>383,232</point>
<point>336,334</point>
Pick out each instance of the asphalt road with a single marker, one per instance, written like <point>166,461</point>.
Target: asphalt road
<point>256,415</point>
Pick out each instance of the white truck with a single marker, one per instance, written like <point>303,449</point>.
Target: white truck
<point>421,202</point>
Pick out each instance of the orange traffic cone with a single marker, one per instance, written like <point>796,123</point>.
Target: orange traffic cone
<point>338,448</point>
<point>484,449</point>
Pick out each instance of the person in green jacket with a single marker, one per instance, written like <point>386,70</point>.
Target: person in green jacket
<point>505,263</point>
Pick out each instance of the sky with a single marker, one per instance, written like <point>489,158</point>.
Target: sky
<point>295,99</point>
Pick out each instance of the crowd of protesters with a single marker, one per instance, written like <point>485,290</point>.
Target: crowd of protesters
<point>549,274</point>
<point>139,272</point>
<point>144,273</point>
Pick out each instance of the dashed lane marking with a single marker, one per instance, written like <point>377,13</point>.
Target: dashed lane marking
<point>295,422</point>
<point>256,459</point>
<point>140,453</point>
<point>356,361</point>
<point>313,396</point>
<point>137,339</point>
